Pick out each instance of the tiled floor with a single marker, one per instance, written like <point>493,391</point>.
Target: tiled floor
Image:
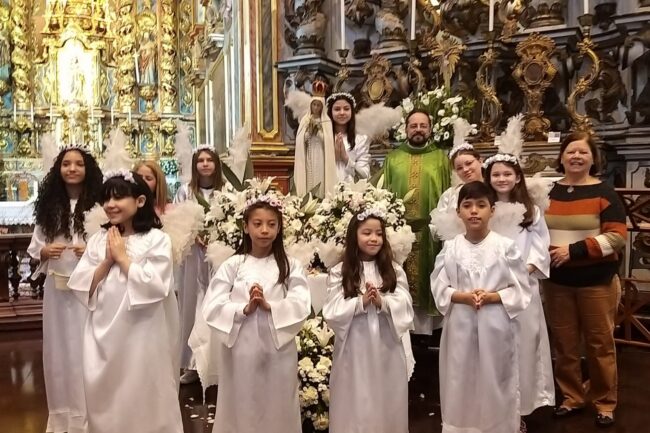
<point>23,407</point>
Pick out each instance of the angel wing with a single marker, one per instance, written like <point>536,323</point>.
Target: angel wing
<point>506,218</point>
<point>538,188</point>
<point>445,225</point>
<point>94,219</point>
<point>375,120</point>
<point>49,150</point>
<point>183,147</point>
<point>298,101</point>
<point>182,224</point>
<point>238,152</point>
<point>116,156</point>
<point>512,139</point>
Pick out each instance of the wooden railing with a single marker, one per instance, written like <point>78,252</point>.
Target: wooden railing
<point>21,293</point>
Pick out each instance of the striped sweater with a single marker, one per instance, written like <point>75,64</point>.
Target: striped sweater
<point>591,220</point>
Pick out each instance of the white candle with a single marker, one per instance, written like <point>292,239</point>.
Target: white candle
<point>137,71</point>
<point>112,114</point>
<point>586,5</point>
<point>491,20</point>
<point>129,115</point>
<point>413,14</point>
<point>342,24</point>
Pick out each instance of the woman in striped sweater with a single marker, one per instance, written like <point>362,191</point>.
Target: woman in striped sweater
<point>586,222</point>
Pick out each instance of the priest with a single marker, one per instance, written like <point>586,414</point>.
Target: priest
<point>420,166</point>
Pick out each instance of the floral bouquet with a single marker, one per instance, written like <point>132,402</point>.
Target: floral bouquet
<point>315,344</point>
<point>326,229</point>
<point>443,109</point>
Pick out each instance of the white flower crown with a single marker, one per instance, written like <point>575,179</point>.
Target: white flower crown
<point>201,147</point>
<point>464,146</point>
<point>331,98</point>
<point>271,200</point>
<point>372,212</point>
<point>75,147</point>
<point>501,157</point>
<point>126,174</point>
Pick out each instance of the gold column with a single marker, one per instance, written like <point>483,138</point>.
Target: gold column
<point>185,36</point>
<point>168,63</point>
<point>125,49</point>
<point>20,58</point>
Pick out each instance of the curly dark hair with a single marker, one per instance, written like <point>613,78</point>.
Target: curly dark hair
<point>52,208</point>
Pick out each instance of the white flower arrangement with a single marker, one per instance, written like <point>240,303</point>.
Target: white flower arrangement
<point>443,110</point>
<point>327,227</point>
<point>315,343</point>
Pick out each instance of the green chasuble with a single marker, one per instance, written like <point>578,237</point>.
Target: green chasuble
<point>428,172</point>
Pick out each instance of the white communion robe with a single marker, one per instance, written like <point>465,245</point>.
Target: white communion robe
<point>63,323</point>
<point>258,362</point>
<point>479,364</point>
<point>369,380</point>
<point>194,277</point>
<point>535,368</point>
<point>358,164</point>
<point>131,341</point>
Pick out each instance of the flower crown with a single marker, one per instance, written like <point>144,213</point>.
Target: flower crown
<point>201,147</point>
<point>500,157</point>
<point>345,95</point>
<point>126,174</point>
<point>270,199</point>
<point>463,146</point>
<point>75,147</point>
<point>372,212</point>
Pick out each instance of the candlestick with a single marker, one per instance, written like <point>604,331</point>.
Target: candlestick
<point>342,24</point>
<point>491,18</point>
<point>586,6</point>
<point>413,14</point>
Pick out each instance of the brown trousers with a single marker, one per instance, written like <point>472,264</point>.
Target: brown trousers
<point>586,314</point>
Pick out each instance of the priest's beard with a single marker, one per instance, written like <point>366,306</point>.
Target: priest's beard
<point>418,140</point>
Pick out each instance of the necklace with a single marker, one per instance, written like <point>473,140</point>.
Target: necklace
<point>570,189</point>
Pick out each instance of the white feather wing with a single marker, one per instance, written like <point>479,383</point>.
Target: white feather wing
<point>298,101</point>
<point>183,146</point>
<point>239,151</point>
<point>506,218</point>
<point>512,139</point>
<point>445,225</point>
<point>94,219</point>
<point>182,224</point>
<point>49,150</point>
<point>116,156</point>
<point>375,120</point>
<point>538,188</point>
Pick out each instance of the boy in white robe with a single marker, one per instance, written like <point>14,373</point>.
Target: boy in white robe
<point>480,284</point>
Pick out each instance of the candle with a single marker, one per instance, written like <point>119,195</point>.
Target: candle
<point>491,19</point>
<point>342,24</point>
<point>129,115</point>
<point>137,71</point>
<point>413,14</point>
<point>586,6</point>
<point>113,114</point>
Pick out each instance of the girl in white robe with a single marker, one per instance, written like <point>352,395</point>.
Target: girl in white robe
<point>370,310</point>
<point>257,302</point>
<point>131,339</point>
<point>480,285</point>
<point>70,188</point>
<point>194,271</point>
<point>351,150</point>
<point>536,372</point>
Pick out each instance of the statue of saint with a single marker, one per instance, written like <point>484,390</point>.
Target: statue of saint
<point>147,59</point>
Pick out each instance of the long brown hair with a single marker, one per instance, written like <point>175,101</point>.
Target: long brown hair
<point>277,247</point>
<point>519,193</point>
<point>160,194</point>
<point>352,266</point>
<point>350,127</point>
<point>216,180</point>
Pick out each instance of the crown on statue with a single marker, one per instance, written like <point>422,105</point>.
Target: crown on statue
<point>319,88</point>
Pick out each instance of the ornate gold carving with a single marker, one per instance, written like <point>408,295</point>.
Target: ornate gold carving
<point>20,54</point>
<point>535,163</point>
<point>344,72</point>
<point>125,50</point>
<point>534,74</point>
<point>546,13</point>
<point>377,87</point>
<point>490,106</point>
<point>446,53</point>
<point>184,31</point>
<point>168,64</point>
<point>586,47</point>
<point>509,12</point>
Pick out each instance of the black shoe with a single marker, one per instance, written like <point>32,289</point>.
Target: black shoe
<point>563,411</point>
<point>604,420</point>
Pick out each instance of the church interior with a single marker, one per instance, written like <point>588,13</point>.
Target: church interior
<point>79,69</point>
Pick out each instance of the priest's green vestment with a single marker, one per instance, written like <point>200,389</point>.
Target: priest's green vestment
<point>427,171</point>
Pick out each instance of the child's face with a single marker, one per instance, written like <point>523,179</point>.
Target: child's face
<point>369,237</point>
<point>73,168</point>
<point>122,210</point>
<point>263,227</point>
<point>149,177</point>
<point>316,108</point>
<point>503,178</point>
<point>475,213</point>
<point>341,112</point>
<point>468,168</point>
<point>205,164</point>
